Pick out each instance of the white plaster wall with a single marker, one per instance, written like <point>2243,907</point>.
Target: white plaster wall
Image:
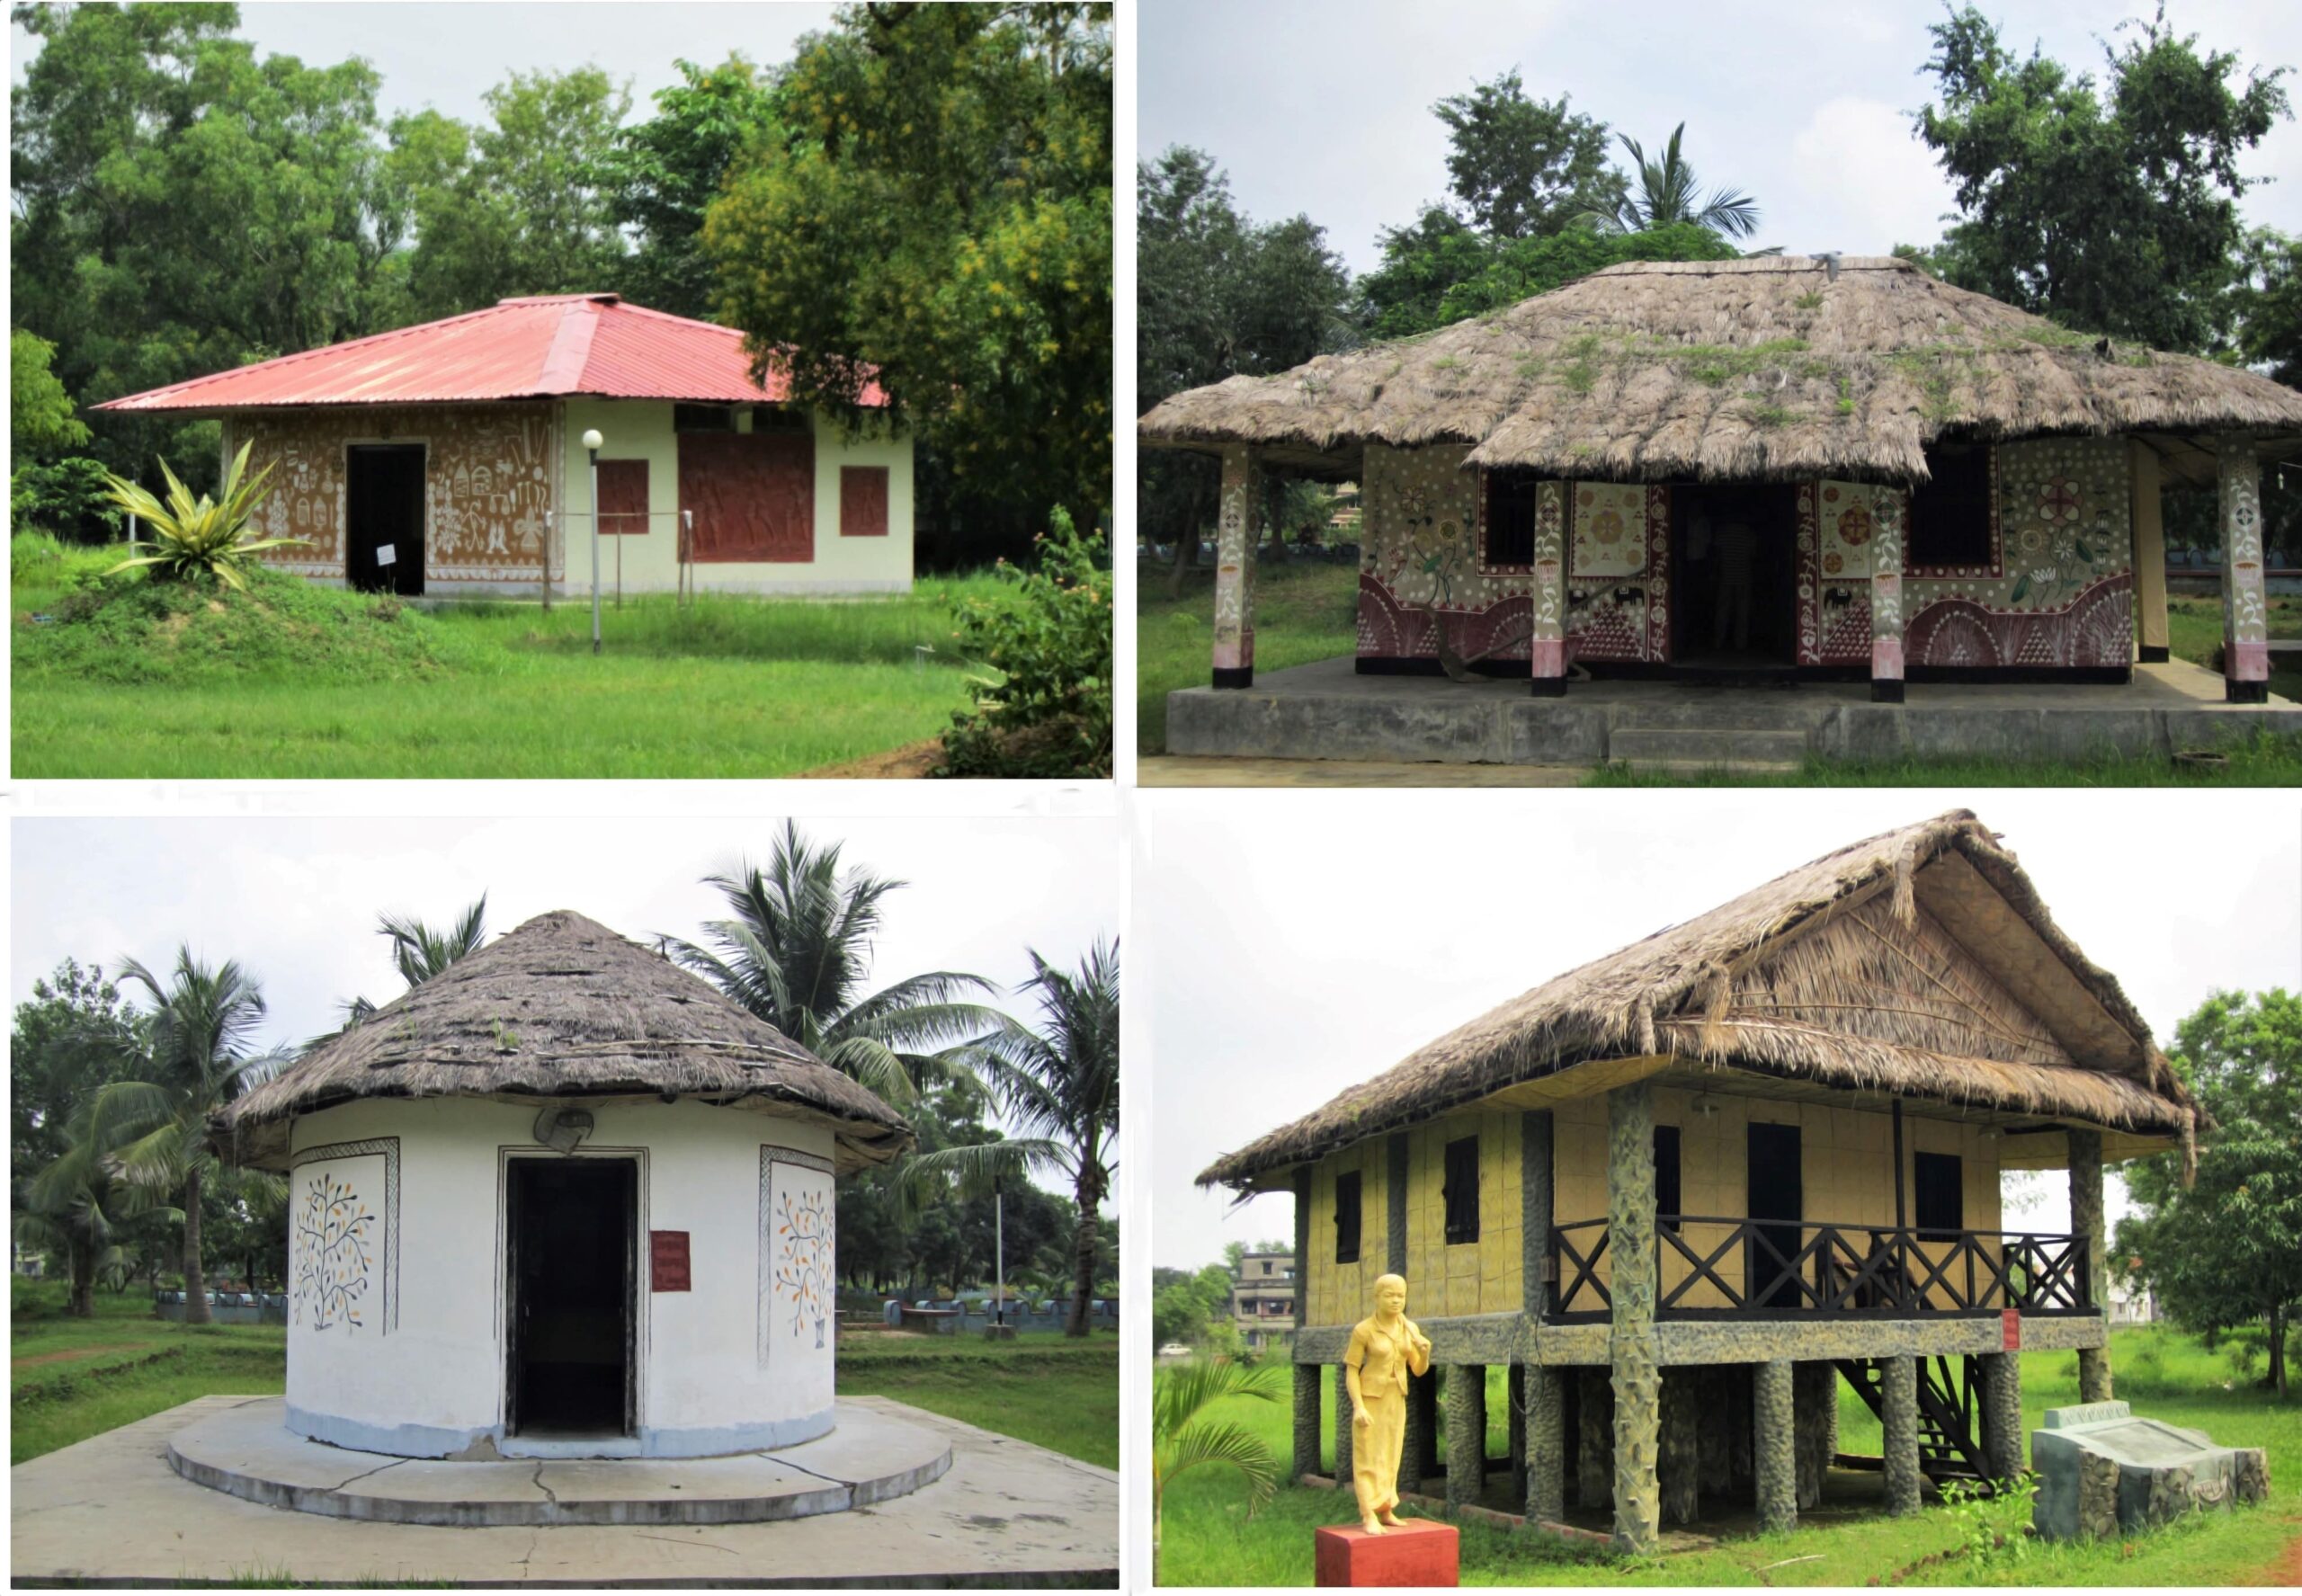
<point>641,429</point>
<point>428,1378</point>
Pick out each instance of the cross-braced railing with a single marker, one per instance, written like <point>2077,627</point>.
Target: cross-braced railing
<point>1710,1266</point>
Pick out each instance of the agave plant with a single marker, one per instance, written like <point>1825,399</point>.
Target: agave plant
<point>206,536</point>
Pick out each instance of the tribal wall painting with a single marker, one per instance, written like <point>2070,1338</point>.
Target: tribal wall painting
<point>344,1237</point>
<point>1617,572</point>
<point>797,1252</point>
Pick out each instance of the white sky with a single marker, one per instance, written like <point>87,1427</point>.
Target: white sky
<point>1324,106</point>
<point>295,900</point>
<point>1284,956</point>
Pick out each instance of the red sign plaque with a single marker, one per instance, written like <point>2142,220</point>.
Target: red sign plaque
<point>2010,1330</point>
<point>667,1258</point>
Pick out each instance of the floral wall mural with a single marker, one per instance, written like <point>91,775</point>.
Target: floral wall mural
<point>344,1237</point>
<point>797,1252</point>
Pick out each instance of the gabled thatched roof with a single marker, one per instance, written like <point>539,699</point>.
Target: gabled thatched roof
<point>1725,991</point>
<point>1721,370</point>
<point>563,1007</point>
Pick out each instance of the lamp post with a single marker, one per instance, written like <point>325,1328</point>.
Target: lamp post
<point>592,443</point>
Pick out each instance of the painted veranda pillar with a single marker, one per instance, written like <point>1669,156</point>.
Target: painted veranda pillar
<point>2245,630</point>
<point>2152,643</point>
<point>1546,643</point>
<point>1887,600</point>
<point>2086,1223</point>
<point>1632,1346</point>
<point>1236,537</point>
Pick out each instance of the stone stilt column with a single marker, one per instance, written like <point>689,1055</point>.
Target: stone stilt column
<point>2246,628</point>
<point>1679,1468</point>
<point>1594,1441</point>
<point>1886,598</point>
<point>1545,1444</point>
<point>2002,1414</point>
<point>1771,1423</point>
<point>1814,1426</point>
<point>1306,1419</point>
<point>2086,1224</point>
<point>1466,1396</point>
<point>1900,1390</point>
<point>1535,1211</point>
<point>1343,1435</point>
<point>1237,532</point>
<point>2151,637</point>
<point>1546,645</point>
<point>1632,1346</point>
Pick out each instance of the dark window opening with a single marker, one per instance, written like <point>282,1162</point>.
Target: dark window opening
<point>1346,1217</point>
<point>1667,1174</point>
<point>703,418</point>
<point>1512,497</point>
<point>1462,1191</point>
<point>572,1229</point>
<point>778,418</point>
<point>1950,514</point>
<point>1938,1183</point>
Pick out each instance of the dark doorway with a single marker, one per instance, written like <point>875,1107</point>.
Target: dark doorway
<point>1733,553</point>
<point>1776,1191</point>
<point>383,518</point>
<point>573,1225</point>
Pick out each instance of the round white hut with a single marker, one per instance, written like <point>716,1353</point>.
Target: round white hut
<point>563,1200</point>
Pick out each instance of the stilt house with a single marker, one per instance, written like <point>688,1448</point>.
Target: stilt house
<point>1684,1191</point>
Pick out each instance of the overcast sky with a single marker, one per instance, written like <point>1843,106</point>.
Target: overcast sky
<point>295,900</point>
<point>1324,106</point>
<point>446,55</point>
<point>1285,957</point>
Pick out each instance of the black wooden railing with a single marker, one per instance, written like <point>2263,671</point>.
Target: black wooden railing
<point>1729,1268</point>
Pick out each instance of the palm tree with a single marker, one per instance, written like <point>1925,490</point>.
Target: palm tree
<point>1665,191</point>
<point>1058,1087</point>
<point>797,953</point>
<point>1181,1441</point>
<point>421,951</point>
<point>202,1025</point>
<point>79,1205</point>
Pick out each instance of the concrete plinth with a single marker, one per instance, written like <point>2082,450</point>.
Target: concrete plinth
<point>1416,1552</point>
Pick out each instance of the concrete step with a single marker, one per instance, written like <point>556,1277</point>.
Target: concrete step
<point>1684,749</point>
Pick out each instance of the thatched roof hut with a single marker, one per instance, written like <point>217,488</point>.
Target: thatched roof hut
<point>1764,369</point>
<point>563,1007</point>
<point>1804,983</point>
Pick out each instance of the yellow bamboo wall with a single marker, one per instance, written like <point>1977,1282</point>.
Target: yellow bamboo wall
<point>1482,1276</point>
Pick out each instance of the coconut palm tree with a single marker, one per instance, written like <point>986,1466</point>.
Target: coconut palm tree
<point>421,952</point>
<point>796,952</point>
<point>203,1023</point>
<point>1182,1439</point>
<point>1666,190</point>
<point>80,1205</point>
<point>1058,1087</point>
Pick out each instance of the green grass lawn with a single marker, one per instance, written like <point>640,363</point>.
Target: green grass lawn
<point>1208,1539</point>
<point>1041,1388</point>
<point>731,686</point>
<point>1304,612</point>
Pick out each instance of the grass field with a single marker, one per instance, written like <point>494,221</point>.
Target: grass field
<point>1304,612</point>
<point>1208,1539</point>
<point>72,1379</point>
<point>731,686</point>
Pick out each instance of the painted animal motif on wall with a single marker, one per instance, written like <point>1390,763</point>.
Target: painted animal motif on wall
<point>798,1252</point>
<point>334,1242</point>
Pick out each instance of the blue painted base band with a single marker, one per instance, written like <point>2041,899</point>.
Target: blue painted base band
<point>432,1441</point>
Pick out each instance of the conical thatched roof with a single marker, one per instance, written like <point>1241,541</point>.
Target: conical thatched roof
<point>1741,989</point>
<point>563,1007</point>
<point>1720,371</point>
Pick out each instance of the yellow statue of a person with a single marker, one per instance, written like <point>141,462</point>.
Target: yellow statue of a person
<point>1385,1348</point>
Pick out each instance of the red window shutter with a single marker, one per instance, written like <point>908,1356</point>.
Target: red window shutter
<point>623,498</point>
<point>753,495</point>
<point>862,501</point>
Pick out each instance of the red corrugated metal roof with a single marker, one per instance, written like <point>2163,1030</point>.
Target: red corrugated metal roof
<point>552,346</point>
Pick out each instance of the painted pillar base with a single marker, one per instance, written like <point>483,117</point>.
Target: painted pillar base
<point>2245,692</point>
<point>1236,676</point>
<point>1547,687</point>
<point>1886,692</point>
<point>2156,654</point>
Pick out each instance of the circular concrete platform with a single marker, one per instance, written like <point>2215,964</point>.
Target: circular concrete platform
<point>248,1451</point>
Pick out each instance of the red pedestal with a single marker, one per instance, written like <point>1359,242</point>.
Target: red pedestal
<point>1417,1553</point>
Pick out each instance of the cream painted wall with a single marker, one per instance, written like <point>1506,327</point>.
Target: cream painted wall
<point>641,429</point>
<point>432,1381</point>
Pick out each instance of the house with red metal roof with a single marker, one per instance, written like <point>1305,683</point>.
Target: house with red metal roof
<point>448,458</point>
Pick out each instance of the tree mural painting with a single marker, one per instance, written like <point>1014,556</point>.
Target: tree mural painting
<point>805,1267</point>
<point>332,1258</point>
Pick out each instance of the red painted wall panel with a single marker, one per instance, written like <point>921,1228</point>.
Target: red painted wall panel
<point>862,501</point>
<point>754,494</point>
<point>623,498</point>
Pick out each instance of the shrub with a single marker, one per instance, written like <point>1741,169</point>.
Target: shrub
<point>1047,705</point>
<point>70,497</point>
<point>202,538</point>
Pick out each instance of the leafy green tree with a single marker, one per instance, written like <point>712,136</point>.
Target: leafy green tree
<point>937,218</point>
<point>659,176</point>
<point>1058,1083</point>
<point>796,951</point>
<point>1666,192</point>
<point>82,1205</point>
<point>2109,205</point>
<point>2269,304</point>
<point>1185,1307</point>
<point>1518,165</point>
<point>1044,707</point>
<point>2227,1250</point>
<point>1184,1438</point>
<point>72,1038</point>
<point>1413,293</point>
<point>40,418</point>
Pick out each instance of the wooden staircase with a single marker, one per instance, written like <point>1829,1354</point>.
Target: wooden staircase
<point>1950,1417</point>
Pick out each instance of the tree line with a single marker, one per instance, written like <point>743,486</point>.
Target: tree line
<point>923,189</point>
<point>111,1175</point>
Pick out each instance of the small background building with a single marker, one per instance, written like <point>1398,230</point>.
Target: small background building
<point>447,459</point>
<point>1262,1299</point>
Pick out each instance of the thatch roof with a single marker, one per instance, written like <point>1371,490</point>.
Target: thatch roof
<point>563,1008</point>
<point>1748,988</point>
<point>1723,370</point>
